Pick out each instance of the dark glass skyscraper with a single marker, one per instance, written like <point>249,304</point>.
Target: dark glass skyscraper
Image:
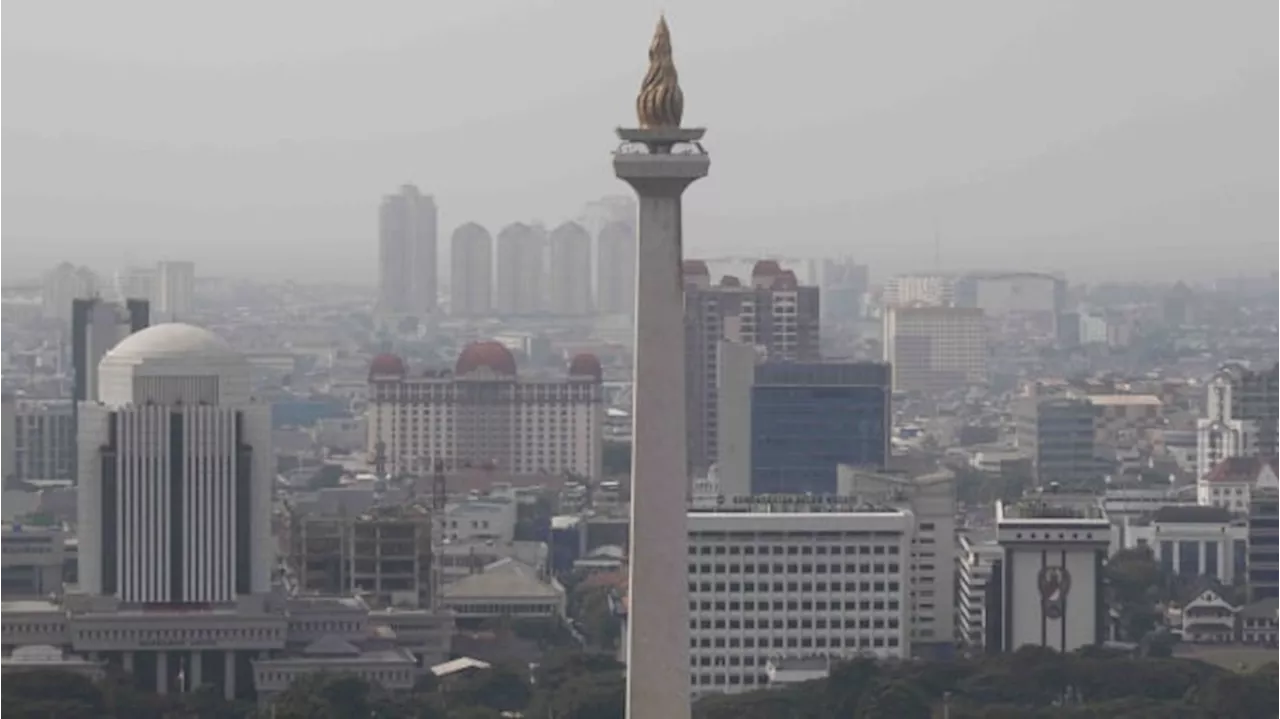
<point>809,418</point>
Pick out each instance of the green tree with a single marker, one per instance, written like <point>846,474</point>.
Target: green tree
<point>51,694</point>
<point>894,700</point>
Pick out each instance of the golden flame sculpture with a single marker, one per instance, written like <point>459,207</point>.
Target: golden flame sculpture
<point>660,103</point>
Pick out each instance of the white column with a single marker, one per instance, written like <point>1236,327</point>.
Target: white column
<point>162,672</point>
<point>229,675</point>
<point>657,623</point>
<point>195,678</point>
<point>127,660</point>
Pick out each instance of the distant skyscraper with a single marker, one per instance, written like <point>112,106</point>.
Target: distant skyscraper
<point>63,284</point>
<point>569,250</point>
<point>135,283</point>
<point>96,327</point>
<point>175,474</point>
<point>175,290</point>
<point>616,269</point>
<point>844,285</point>
<point>907,290</point>
<point>774,313</point>
<point>471,275</point>
<point>935,349</point>
<point>407,253</point>
<point>612,208</point>
<point>521,270</point>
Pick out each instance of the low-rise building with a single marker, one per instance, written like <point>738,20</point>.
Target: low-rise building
<point>1193,541</point>
<point>506,588</point>
<point>34,561</point>
<point>1230,483</point>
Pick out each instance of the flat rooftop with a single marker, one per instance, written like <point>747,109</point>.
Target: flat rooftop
<point>1043,508</point>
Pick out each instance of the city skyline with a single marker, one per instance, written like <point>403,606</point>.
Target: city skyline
<point>1081,170</point>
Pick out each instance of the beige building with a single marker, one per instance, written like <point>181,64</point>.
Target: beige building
<point>935,349</point>
<point>484,415</point>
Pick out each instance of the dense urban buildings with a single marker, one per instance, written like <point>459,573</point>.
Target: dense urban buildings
<point>61,285</point>
<point>471,279</point>
<point>935,349</point>
<point>774,312</point>
<point>484,414</point>
<point>43,439</point>
<point>407,253</point>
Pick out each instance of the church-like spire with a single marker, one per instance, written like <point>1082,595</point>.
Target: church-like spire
<point>660,102</point>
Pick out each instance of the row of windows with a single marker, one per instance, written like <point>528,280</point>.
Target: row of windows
<point>823,642</point>
<point>791,568</point>
<point>808,605</point>
<point>735,587</point>
<point>794,549</point>
<point>806,623</point>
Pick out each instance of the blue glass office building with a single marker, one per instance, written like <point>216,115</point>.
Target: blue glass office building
<point>808,418</point>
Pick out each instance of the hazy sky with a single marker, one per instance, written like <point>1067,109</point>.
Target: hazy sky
<point>1110,139</point>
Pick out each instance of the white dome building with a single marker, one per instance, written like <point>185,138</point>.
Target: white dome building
<point>173,363</point>
<point>175,473</point>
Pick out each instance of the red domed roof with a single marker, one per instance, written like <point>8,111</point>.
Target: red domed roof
<point>584,365</point>
<point>386,364</point>
<point>490,354</point>
<point>766,267</point>
<point>695,267</point>
<point>730,281</point>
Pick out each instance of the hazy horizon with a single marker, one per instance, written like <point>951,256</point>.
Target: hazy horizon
<point>1110,140</point>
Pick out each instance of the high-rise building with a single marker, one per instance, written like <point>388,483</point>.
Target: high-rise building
<point>777,585</point>
<point>935,349</point>
<point>659,160</point>
<point>135,283</point>
<point>176,474</point>
<point>1256,398</point>
<point>96,327</point>
<point>616,269</point>
<point>569,256</point>
<point>471,276</point>
<point>407,253</point>
<point>521,270</point>
<point>61,285</point>
<point>931,500</point>
<point>974,560</point>
<point>175,290</point>
<point>797,422</point>
<point>1050,577</point>
<point>1020,300</point>
<point>1264,531</point>
<point>844,286</point>
<point>1224,431</point>
<point>1058,433</point>
<point>483,414</point>
<point>773,312</point>
<point>926,290</point>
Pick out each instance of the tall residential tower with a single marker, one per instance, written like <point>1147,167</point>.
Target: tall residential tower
<point>407,253</point>
<point>471,272</point>
<point>659,160</point>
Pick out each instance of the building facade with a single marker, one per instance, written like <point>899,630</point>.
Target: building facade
<point>471,275</point>
<point>1264,533</point>
<point>974,561</point>
<point>175,291</point>
<point>801,421</point>
<point>43,440</point>
<point>407,272</point>
<point>1058,434</point>
<point>1050,576</point>
<point>935,349</point>
<point>773,313</point>
<point>780,585</point>
<point>1193,541</point>
<point>483,415</point>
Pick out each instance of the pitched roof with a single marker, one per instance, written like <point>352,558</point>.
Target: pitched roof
<point>1261,609</point>
<point>504,578</point>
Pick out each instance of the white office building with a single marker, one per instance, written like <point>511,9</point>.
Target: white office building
<point>975,559</point>
<point>1193,541</point>
<point>175,290</point>
<point>770,586</point>
<point>1050,575</point>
